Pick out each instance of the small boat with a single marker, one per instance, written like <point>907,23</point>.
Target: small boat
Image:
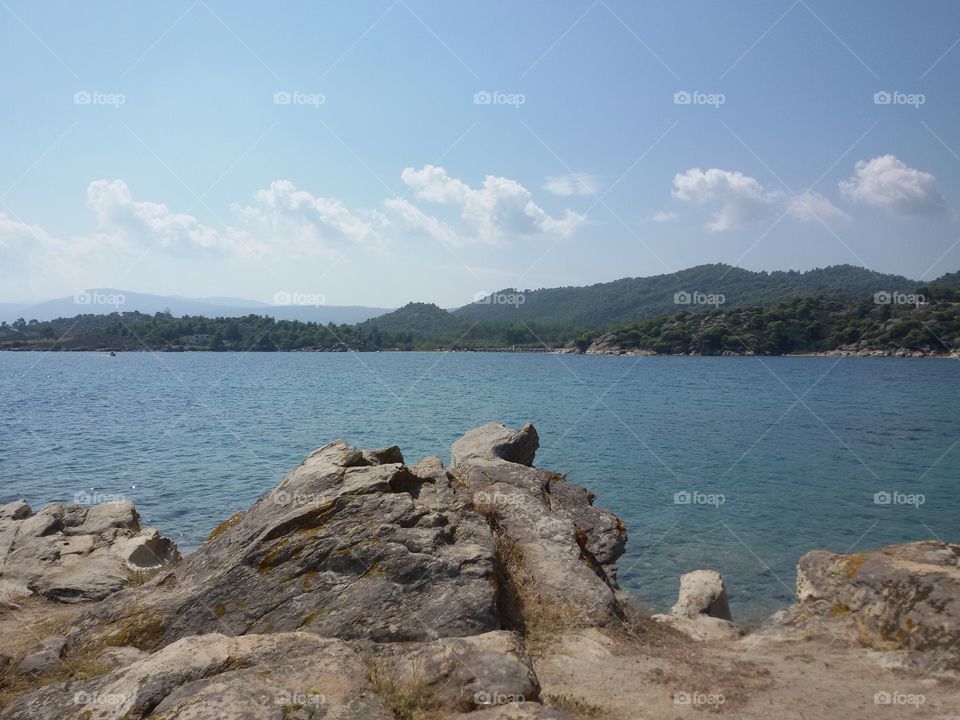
<point>112,354</point>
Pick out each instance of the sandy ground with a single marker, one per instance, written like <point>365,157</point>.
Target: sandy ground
<point>595,675</point>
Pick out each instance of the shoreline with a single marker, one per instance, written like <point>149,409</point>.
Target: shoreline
<point>866,353</point>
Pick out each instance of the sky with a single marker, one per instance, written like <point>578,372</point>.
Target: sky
<point>384,151</point>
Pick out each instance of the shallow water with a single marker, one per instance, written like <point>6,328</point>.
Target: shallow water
<point>780,455</point>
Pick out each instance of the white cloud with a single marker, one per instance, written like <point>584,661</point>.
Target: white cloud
<point>19,240</point>
<point>888,183</point>
<point>573,184</point>
<point>307,223</point>
<point>499,211</point>
<point>813,206</point>
<point>134,221</point>
<point>663,216</point>
<point>32,260</point>
<point>740,199</point>
<point>415,219</point>
<point>282,222</point>
<point>15,234</point>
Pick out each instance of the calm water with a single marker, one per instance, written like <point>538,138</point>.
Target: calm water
<point>797,447</point>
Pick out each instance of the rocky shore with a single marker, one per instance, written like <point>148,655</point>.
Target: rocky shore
<point>612,344</point>
<point>365,587</point>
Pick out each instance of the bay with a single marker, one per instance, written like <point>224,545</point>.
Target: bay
<point>735,464</point>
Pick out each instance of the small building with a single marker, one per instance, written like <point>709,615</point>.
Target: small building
<point>198,339</point>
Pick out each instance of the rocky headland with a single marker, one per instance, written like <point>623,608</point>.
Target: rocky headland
<point>366,587</point>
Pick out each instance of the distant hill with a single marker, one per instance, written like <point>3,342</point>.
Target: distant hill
<point>634,299</point>
<point>925,320</point>
<point>102,301</point>
<point>416,319</point>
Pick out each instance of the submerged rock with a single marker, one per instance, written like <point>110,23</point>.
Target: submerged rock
<point>74,553</point>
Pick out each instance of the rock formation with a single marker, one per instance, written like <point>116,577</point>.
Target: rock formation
<point>903,599</point>
<point>75,553</point>
<point>701,610</point>
<point>366,582</point>
<point>364,588</point>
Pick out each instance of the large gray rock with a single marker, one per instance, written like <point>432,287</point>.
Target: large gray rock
<point>76,553</point>
<point>341,548</point>
<point>902,599</point>
<point>208,677</point>
<point>352,545</point>
<point>280,676</point>
<point>701,610</point>
<point>494,441</point>
<point>466,673</point>
<point>702,592</point>
<point>556,552</point>
<point>377,586</point>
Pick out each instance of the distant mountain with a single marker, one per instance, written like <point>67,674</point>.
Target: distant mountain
<point>103,301</point>
<point>633,299</point>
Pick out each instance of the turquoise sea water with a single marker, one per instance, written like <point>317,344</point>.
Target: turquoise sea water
<point>796,447</point>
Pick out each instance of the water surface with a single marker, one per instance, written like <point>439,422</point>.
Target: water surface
<point>796,447</point>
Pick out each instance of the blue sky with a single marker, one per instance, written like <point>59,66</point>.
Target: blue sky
<point>378,152</point>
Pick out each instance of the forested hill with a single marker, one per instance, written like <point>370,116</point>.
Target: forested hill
<point>703,309</point>
<point>633,299</point>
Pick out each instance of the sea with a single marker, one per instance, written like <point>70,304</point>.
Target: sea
<point>739,464</point>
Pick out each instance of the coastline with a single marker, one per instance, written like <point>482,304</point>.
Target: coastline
<point>900,353</point>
